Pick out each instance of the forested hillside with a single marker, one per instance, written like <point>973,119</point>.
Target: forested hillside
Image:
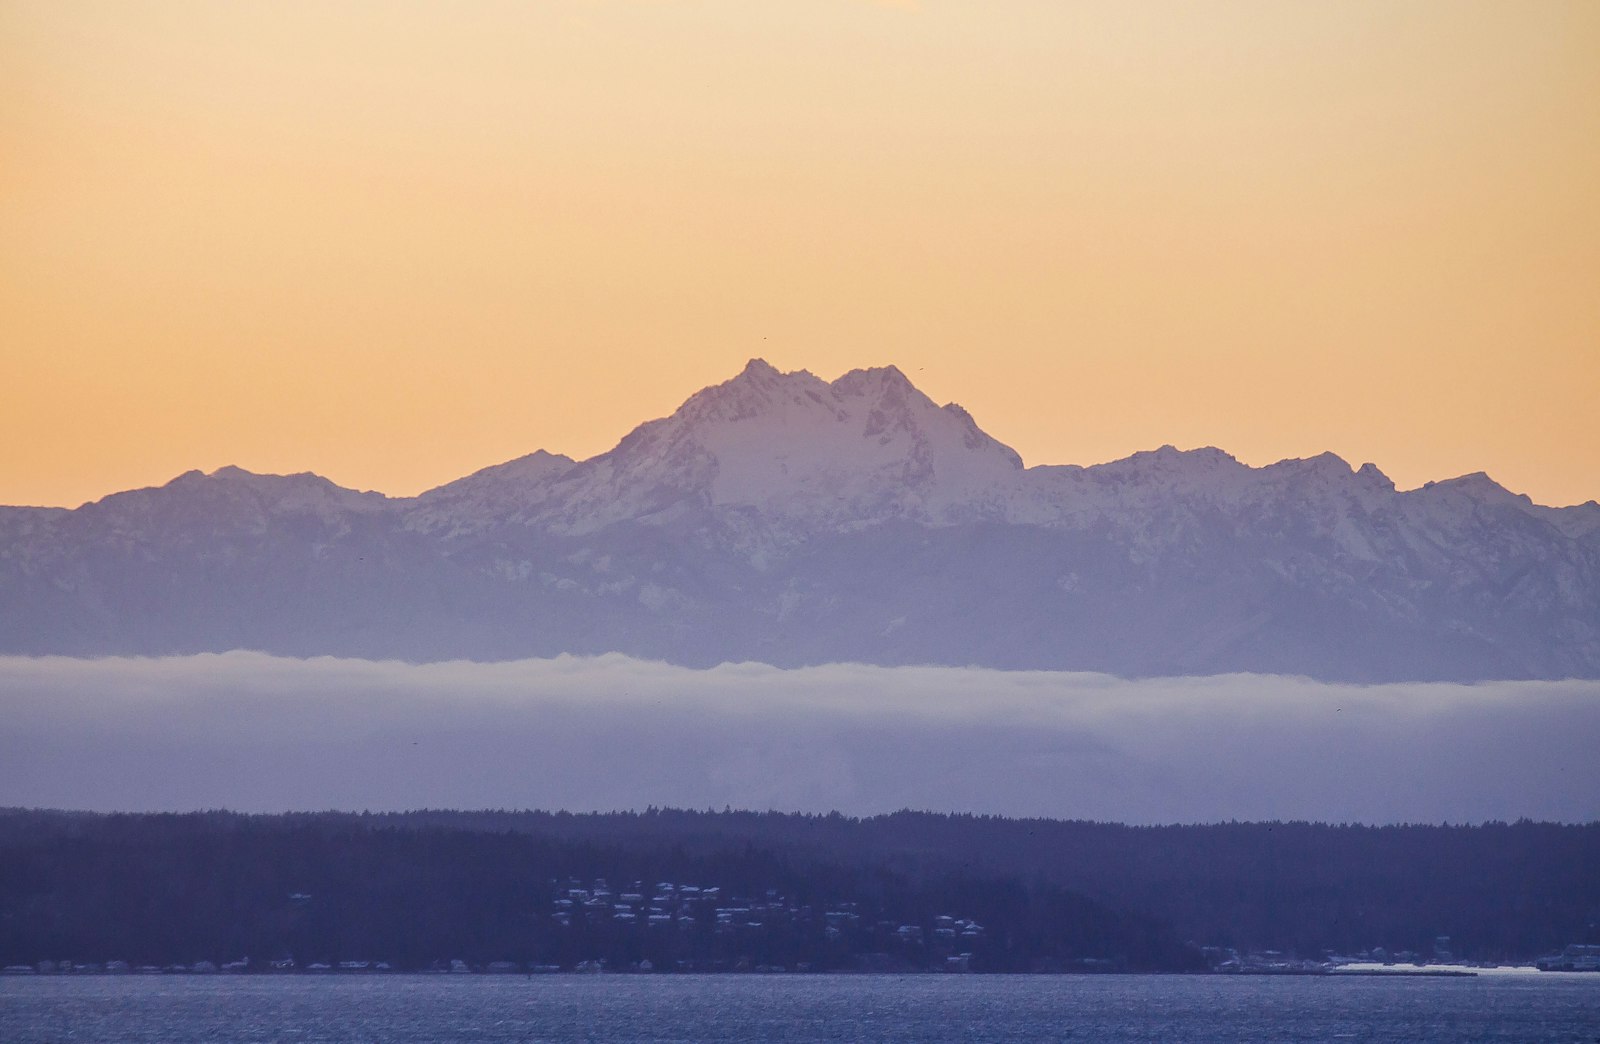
<point>712,891</point>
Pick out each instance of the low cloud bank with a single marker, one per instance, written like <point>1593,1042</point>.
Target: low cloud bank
<point>254,732</point>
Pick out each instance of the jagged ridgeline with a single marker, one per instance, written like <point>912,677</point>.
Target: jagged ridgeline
<point>675,890</point>
<point>781,518</point>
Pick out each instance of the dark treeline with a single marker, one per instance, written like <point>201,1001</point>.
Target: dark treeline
<point>418,887</point>
<point>325,888</point>
<point>1501,891</point>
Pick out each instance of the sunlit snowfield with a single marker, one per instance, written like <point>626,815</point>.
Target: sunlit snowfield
<point>190,1010</point>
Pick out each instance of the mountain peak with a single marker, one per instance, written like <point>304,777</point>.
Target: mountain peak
<point>1324,463</point>
<point>1168,458</point>
<point>498,493</point>
<point>1479,486</point>
<point>873,377</point>
<point>233,474</point>
<point>756,389</point>
<point>1373,476</point>
<point>866,446</point>
<point>521,471</point>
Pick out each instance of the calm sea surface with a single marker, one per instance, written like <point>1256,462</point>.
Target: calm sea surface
<point>185,1009</point>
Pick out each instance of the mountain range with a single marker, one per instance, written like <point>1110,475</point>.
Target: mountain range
<point>782,518</point>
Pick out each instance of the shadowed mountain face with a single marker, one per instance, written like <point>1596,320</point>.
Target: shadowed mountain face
<point>783,518</point>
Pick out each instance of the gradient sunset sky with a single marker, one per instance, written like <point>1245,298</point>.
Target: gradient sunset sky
<point>393,242</point>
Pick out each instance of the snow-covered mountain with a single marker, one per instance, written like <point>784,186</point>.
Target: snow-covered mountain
<point>791,452</point>
<point>784,518</point>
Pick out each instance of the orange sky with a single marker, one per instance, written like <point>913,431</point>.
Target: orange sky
<point>393,242</point>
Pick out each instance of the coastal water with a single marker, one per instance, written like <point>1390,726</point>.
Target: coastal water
<point>571,1008</point>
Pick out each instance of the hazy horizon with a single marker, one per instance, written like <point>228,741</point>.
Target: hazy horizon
<point>252,732</point>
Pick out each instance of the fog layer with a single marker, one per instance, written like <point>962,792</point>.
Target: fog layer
<point>260,733</point>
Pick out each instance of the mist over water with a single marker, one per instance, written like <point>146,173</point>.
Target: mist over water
<point>254,732</point>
